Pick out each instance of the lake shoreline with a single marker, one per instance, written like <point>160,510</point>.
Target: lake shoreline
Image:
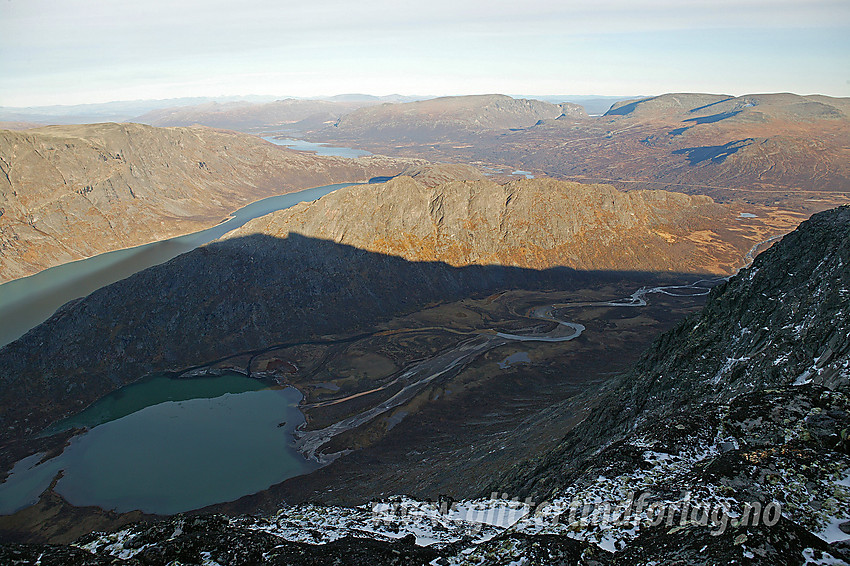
<point>152,481</point>
<point>27,302</point>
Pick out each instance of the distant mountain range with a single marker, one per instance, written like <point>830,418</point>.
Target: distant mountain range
<point>244,113</point>
<point>276,115</point>
<point>767,148</point>
<point>116,111</point>
<point>439,118</point>
<point>131,110</point>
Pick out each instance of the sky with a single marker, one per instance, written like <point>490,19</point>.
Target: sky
<point>91,51</point>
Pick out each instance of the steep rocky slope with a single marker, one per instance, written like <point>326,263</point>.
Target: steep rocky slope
<point>743,463</point>
<point>782,323</point>
<point>746,402</point>
<point>536,224</point>
<point>68,192</point>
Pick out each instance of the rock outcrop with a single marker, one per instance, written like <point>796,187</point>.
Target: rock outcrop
<point>536,224</point>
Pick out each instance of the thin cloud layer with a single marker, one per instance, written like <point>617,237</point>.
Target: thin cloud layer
<point>53,50</point>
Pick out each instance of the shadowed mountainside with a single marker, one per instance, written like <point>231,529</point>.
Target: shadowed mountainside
<point>337,265</point>
<point>69,192</point>
<point>537,223</point>
<point>231,296</point>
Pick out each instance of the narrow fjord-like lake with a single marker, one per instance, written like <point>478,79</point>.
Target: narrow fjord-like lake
<point>167,445</point>
<point>27,302</point>
<point>317,148</point>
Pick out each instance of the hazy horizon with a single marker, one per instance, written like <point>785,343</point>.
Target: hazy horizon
<point>81,51</point>
<point>250,97</point>
<point>254,98</point>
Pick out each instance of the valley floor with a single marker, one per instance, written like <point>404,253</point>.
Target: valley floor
<point>470,418</point>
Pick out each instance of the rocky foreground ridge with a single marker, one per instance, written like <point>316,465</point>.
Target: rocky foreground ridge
<point>728,443</point>
<point>69,192</point>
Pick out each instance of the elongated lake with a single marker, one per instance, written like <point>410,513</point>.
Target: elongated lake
<point>317,148</point>
<point>27,302</point>
<point>169,445</point>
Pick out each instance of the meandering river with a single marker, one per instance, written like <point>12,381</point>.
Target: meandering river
<point>417,376</point>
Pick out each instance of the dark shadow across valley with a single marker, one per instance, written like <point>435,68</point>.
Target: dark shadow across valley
<point>247,294</point>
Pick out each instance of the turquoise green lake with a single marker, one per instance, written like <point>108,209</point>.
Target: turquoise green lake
<point>152,391</point>
<point>166,446</point>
